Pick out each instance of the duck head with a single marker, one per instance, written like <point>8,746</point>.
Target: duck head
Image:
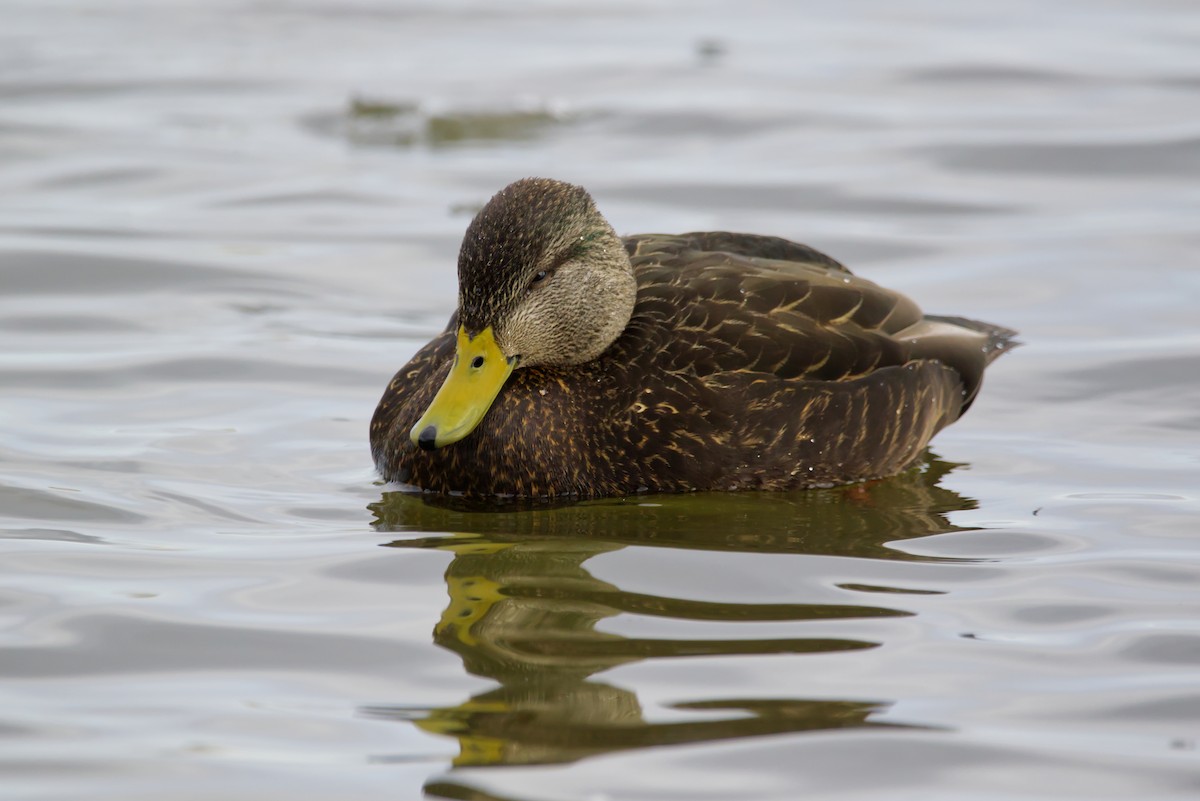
<point>543,280</point>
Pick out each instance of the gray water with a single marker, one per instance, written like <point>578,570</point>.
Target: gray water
<point>224,225</point>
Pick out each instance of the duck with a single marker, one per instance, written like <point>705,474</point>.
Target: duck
<point>582,364</point>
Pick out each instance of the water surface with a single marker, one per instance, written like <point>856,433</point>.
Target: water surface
<point>224,225</point>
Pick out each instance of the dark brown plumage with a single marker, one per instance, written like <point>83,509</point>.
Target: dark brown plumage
<point>748,362</point>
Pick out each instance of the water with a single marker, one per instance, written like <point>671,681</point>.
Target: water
<point>224,225</point>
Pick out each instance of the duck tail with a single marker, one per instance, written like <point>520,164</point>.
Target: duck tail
<point>1000,340</point>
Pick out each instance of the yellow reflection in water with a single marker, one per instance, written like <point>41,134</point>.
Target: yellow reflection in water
<point>524,610</point>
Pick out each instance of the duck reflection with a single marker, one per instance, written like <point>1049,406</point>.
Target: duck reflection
<point>524,610</point>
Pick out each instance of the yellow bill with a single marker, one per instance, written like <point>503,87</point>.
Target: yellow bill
<point>476,377</point>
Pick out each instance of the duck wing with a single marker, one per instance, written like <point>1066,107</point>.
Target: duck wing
<point>809,374</point>
<point>766,305</point>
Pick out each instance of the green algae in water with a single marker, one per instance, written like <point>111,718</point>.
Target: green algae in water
<point>373,122</point>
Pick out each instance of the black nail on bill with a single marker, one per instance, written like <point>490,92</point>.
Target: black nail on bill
<point>427,439</point>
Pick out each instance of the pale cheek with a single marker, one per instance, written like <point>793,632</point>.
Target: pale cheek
<point>527,331</point>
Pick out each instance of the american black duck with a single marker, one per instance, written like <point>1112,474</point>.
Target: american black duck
<point>582,364</point>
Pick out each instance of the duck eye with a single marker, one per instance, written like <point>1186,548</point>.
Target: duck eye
<point>540,275</point>
<point>477,362</point>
